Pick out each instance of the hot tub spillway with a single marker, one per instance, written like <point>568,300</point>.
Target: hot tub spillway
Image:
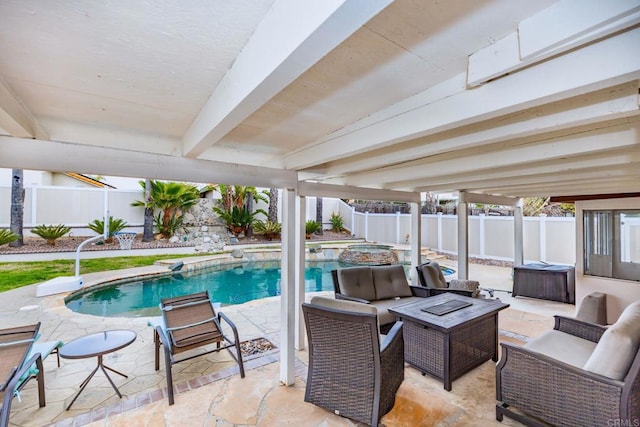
<point>369,255</point>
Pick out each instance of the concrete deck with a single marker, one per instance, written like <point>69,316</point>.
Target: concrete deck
<point>210,391</point>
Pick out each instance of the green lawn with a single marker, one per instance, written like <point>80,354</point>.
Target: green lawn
<point>17,274</point>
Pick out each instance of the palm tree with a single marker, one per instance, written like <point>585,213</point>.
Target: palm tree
<point>171,198</point>
<point>319,213</point>
<point>273,205</point>
<point>17,206</point>
<point>147,234</point>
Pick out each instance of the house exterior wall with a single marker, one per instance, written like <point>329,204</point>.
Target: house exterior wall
<point>620,293</point>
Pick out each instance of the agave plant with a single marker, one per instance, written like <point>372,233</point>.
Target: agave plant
<point>115,225</point>
<point>237,219</point>
<point>311,227</point>
<point>7,236</point>
<point>51,233</point>
<point>337,223</point>
<point>270,229</point>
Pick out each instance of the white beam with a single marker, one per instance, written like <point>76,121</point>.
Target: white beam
<point>488,199</point>
<point>615,160</point>
<point>292,37</point>
<point>15,117</point>
<point>347,192</point>
<point>608,104</point>
<point>524,152</point>
<point>570,23</point>
<point>603,172</point>
<point>575,73</point>
<point>59,156</point>
<point>553,31</point>
<point>627,183</point>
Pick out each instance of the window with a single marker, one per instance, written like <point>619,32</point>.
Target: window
<point>612,243</point>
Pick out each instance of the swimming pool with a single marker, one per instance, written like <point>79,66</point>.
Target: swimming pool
<point>227,284</point>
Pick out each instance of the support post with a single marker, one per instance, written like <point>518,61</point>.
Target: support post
<point>301,205</point>
<point>287,292</point>
<point>518,233</point>
<point>463,241</point>
<point>416,241</point>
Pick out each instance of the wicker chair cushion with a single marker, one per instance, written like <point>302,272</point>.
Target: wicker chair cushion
<point>390,282</point>
<point>344,305</point>
<point>564,347</point>
<point>467,285</point>
<point>433,275</point>
<point>384,316</point>
<point>357,282</point>
<point>618,345</point>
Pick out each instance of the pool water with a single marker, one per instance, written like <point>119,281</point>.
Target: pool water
<point>227,284</point>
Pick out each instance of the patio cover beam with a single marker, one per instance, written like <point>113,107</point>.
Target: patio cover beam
<point>293,37</point>
<point>608,137</point>
<point>596,107</point>
<point>550,33</point>
<point>449,105</point>
<point>347,192</point>
<point>15,117</point>
<point>59,156</point>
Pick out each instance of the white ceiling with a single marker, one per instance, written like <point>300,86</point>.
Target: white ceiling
<point>501,97</point>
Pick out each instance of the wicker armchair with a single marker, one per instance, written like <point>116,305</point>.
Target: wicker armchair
<point>431,276</point>
<point>351,373</point>
<point>535,388</point>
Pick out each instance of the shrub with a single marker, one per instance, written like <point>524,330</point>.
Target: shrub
<point>7,236</point>
<point>337,223</point>
<point>168,226</point>
<point>51,233</point>
<point>115,225</point>
<point>270,229</point>
<point>311,227</point>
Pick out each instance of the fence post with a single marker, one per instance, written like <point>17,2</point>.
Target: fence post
<point>439,231</point>
<point>481,231</point>
<point>366,226</point>
<point>542,221</point>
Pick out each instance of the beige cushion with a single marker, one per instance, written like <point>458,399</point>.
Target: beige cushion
<point>384,316</point>
<point>564,347</point>
<point>390,281</point>
<point>593,308</point>
<point>433,275</point>
<point>356,282</point>
<point>344,305</point>
<point>618,345</point>
<point>340,304</point>
<point>465,285</point>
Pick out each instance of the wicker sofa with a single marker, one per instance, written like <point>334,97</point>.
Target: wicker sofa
<point>382,286</point>
<point>578,374</point>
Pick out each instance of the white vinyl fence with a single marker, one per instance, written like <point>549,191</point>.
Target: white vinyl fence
<point>549,239</point>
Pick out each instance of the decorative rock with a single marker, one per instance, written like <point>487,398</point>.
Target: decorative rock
<point>174,239</point>
<point>206,239</point>
<point>204,228</point>
<point>237,253</point>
